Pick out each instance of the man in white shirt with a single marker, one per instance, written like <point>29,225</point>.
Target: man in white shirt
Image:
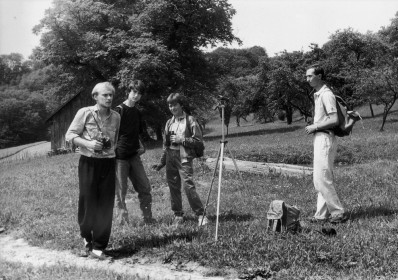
<point>329,207</point>
<point>95,130</point>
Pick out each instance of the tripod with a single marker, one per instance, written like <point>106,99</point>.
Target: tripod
<point>223,144</point>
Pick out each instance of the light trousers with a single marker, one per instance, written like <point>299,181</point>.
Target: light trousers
<point>133,169</point>
<point>328,203</point>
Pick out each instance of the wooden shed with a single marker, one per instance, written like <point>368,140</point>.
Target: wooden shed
<point>60,120</point>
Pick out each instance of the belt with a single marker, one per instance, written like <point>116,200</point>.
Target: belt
<point>325,131</point>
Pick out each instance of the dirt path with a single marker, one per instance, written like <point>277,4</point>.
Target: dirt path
<point>19,251</point>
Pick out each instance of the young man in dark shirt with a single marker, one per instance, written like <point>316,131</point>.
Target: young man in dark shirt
<point>128,160</point>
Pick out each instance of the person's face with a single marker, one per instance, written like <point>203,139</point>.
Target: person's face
<point>104,98</point>
<point>175,109</point>
<point>312,79</point>
<point>134,96</point>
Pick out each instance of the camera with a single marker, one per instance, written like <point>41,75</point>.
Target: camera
<point>106,144</point>
<point>173,133</point>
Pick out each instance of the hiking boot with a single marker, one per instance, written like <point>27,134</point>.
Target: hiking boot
<point>148,221</point>
<point>178,220</point>
<point>123,217</point>
<point>314,220</point>
<point>339,219</point>
<point>202,220</point>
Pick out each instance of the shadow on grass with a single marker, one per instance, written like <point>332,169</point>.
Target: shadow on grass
<point>256,132</point>
<point>372,211</point>
<point>129,248</point>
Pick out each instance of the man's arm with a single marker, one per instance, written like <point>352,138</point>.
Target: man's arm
<point>331,122</point>
<point>75,130</point>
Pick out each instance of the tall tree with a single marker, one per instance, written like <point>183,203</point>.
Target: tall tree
<point>157,41</point>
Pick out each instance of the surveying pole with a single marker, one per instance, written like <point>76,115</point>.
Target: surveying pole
<point>220,154</point>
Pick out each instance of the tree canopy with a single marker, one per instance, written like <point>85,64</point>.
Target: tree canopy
<point>158,42</point>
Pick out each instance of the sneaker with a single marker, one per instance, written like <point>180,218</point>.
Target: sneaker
<point>178,220</point>
<point>99,255</point>
<point>202,220</point>
<point>88,246</point>
<point>339,219</point>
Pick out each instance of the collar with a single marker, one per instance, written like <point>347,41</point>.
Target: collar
<point>320,90</point>
<point>180,118</point>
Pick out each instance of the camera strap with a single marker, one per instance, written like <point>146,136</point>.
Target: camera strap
<point>99,128</point>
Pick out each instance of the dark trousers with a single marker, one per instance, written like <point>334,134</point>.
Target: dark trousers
<point>96,199</point>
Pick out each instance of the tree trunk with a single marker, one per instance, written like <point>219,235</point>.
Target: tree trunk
<point>384,120</point>
<point>289,115</point>
<point>371,110</point>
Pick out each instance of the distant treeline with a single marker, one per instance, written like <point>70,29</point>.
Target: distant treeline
<point>161,43</point>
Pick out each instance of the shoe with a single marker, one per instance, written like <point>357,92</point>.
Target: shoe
<point>88,246</point>
<point>99,255</point>
<point>123,217</point>
<point>148,221</point>
<point>202,220</point>
<point>314,220</point>
<point>339,219</point>
<point>178,220</point>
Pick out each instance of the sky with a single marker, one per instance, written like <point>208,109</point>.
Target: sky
<point>275,25</point>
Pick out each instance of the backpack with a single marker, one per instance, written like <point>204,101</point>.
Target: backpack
<point>283,217</point>
<point>347,118</point>
<point>199,146</point>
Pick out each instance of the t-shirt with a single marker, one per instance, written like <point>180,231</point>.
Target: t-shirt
<point>130,129</point>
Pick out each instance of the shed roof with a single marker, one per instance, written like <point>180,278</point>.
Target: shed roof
<point>62,106</point>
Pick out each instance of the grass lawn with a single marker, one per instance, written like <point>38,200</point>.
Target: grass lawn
<point>39,201</point>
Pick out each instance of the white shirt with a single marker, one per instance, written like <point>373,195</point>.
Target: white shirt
<point>325,103</point>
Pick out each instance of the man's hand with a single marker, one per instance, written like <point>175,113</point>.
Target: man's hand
<point>95,145</point>
<point>157,167</point>
<point>177,139</point>
<point>311,128</point>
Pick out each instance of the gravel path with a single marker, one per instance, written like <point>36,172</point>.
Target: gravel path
<point>19,251</point>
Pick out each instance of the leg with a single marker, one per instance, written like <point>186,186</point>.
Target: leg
<point>324,154</point>
<point>87,197</point>
<point>174,182</point>
<point>106,199</point>
<point>186,174</point>
<point>122,169</point>
<point>141,185</point>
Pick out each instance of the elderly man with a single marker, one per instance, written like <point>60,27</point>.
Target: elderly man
<point>329,207</point>
<point>95,130</point>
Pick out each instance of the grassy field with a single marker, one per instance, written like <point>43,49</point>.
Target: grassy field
<point>39,202</point>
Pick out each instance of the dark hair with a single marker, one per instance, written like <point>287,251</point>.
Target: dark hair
<point>177,97</point>
<point>318,70</point>
<point>138,86</point>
